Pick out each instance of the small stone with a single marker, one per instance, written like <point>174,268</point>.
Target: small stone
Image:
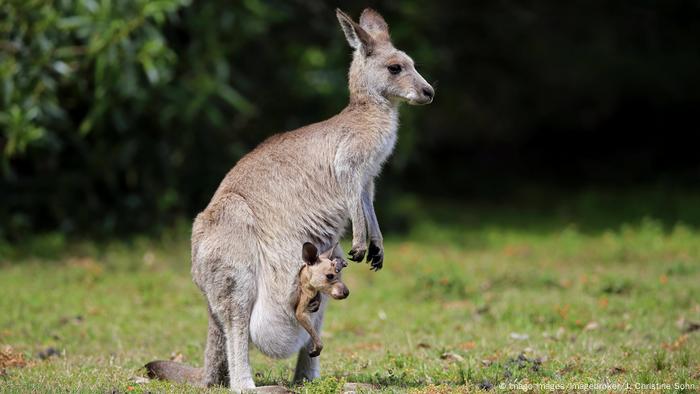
<point>518,336</point>
<point>352,388</point>
<point>272,389</point>
<point>485,385</point>
<point>450,356</point>
<point>48,352</point>
<point>687,326</point>
<point>140,380</point>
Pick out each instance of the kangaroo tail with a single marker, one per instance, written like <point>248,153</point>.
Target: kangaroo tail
<point>175,372</point>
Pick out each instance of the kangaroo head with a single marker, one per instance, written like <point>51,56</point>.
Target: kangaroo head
<point>378,70</point>
<point>324,272</point>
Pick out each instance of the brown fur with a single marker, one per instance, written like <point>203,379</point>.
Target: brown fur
<point>319,275</point>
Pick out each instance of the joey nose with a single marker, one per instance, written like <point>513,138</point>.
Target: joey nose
<point>340,292</point>
<point>428,92</point>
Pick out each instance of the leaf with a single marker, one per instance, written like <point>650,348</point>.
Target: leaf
<point>470,345</point>
<point>617,370</point>
<point>73,22</point>
<point>9,358</point>
<point>677,344</point>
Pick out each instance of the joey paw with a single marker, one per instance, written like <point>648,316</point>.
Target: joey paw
<point>316,351</point>
<point>314,304</point>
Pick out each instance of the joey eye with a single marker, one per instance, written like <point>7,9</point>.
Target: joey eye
<point>330,276</point>
<point>394,69</point>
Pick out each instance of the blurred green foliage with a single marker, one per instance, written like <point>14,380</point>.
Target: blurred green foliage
<point>121,115</point>
<point>95,50</point>
<point>103,102</point>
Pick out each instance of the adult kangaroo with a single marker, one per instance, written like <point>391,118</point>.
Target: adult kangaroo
<point>246,243</point>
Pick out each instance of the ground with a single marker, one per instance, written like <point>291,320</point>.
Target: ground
<point>469,299</point>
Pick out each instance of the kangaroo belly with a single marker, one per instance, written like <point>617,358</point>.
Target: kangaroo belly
<point>274,332</point>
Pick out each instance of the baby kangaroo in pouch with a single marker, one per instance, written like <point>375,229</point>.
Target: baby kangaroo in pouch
<point>319,275</point>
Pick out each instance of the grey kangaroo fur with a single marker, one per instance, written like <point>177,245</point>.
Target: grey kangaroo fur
<point>245,244</point>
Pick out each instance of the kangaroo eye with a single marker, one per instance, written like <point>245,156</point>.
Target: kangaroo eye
<point>394,68</point>
<point>330,276</point>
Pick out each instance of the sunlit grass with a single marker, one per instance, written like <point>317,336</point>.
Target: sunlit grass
<point>453,309</point>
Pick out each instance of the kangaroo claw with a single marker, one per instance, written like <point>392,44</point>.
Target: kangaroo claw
<point>357,254</point>
<point>375,256</point>
<point>377,263</point>
<point>315,352</point>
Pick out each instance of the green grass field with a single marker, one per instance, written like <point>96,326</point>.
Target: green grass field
<point>469,299</point>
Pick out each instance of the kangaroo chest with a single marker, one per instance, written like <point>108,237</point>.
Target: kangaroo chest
<point>384,144</point>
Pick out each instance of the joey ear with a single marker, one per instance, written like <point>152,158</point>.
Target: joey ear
<point>373,23</point>
<point>309,253</point>
<point>357,37</point>
<point>328,253</point>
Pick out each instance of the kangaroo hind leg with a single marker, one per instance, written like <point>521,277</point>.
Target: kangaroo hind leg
<point>215,364</point>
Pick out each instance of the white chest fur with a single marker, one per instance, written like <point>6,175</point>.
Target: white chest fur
<point>387,136</point>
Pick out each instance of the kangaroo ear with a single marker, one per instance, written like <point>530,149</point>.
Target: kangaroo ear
<point>357,37</point>
<point>374,24</point>
<point>328,253</point>
<point>309,253</point>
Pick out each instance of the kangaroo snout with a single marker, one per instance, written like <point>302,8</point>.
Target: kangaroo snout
<point>340,292</point>
<point>427,94</point>
<point>421,93</point>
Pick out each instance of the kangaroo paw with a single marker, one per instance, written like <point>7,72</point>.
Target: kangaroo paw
<point>357,253</point>
<point>314,304</point>
<point>375,256</point>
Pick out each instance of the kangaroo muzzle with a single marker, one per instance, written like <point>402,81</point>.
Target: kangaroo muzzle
<point>340,291</point>
<point>425,95</point>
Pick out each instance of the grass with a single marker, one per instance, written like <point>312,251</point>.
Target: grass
<point>459,306</point>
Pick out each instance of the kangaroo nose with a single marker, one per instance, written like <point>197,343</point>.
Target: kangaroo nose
<point>428,92</point>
